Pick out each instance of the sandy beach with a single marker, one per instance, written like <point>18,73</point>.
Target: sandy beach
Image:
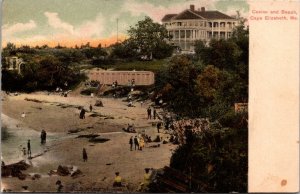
<point>58,115</point>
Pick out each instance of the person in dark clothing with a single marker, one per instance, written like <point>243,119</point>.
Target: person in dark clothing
<point>43,136</point>
<point>84,155</point>
<point>149,113</point>
<point>91,108</point>
<point>158,125</point>
<point>136,143</point>
<point>82,114</point>
<point>131,143</point>
<point>154,114</point>
<point>29,149</point>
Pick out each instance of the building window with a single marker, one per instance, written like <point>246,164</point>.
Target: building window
<point>178,23</point>
<point>188,34</point>
<point>182,34</point>
<point>176,34</point>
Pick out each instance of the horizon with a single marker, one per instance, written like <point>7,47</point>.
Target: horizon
<point>68,23</point>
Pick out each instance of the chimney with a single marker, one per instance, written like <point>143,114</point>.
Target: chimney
<point>192,7</point>
<point>202,9</point>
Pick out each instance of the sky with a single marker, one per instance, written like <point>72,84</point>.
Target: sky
<point>76,22</point>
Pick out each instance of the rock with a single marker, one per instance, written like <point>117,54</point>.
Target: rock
<point>98,140</point>
<point>76,173</point>
<point>52,172</point>
<point>37,176</point>
<point>157,139</point>
<point>22,176</point>
<point>99,103</point>
<point>63,170</point>
<point>165,142</point>
<point>74,130</point>
<point>14,169</point>
<point>87,136</point>
<point>5,171</point>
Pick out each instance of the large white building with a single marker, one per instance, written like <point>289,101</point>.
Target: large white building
<point>191,25</point>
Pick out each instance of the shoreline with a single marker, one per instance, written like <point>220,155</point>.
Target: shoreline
<point>104,159</point>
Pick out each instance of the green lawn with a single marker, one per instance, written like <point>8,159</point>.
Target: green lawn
<point>154,66</point>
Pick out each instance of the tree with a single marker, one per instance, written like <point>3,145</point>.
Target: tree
<point>149,38</point>
<point>207,83</point>
<point>176,84</point>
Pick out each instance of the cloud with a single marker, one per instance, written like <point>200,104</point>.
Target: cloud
<point>138,8</point>
<point>91,28</point>
<point>88,29</point>
<point>9,31</point>
<point>55,22</point>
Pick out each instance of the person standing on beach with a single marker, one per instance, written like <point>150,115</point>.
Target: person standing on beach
<point>154,114</point>
<point>84,155</point>
<point>91,108</point>
<point>43,136</point>
<point>82,114</point>
<point>131,143</point>
<point>136,143</point>
<point>29,149</point>
<point>23,115</point>
<point>149,113</point>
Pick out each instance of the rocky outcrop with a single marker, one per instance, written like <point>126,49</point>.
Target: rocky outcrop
<point>63,170</point>
<point>15,170</point>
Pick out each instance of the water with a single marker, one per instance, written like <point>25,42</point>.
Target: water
<point>15,138</point>
<point>12,146</point>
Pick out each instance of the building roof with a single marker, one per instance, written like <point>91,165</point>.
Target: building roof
<point>186,15</point>
<point>213,15</point>
<point>189,14</point>
<point>168,17</point>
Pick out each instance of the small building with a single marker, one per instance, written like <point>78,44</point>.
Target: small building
<point>122,77</point>
<point>191,25</point>
<point>14,63</point>
<point>240,107</point>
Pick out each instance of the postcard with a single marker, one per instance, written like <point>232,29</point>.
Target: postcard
<point>175,96</point>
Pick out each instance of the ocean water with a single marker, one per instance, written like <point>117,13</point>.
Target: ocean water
<point>14,139</point>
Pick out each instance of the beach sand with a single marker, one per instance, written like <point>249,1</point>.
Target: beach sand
<point>57,115</point>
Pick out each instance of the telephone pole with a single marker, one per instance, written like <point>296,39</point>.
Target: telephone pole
<point>117,30</point>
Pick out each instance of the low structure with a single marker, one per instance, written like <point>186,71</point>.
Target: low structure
<point>240,107</point>
<point>122,77</point>
<point>14,63</point>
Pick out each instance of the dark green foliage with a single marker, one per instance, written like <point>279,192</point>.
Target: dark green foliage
<point>46,73</point>
<point>217,157</point>
<point>208,86</point>
<point>11,81</point>
<point>147,38</point>
<point>124,50</point>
